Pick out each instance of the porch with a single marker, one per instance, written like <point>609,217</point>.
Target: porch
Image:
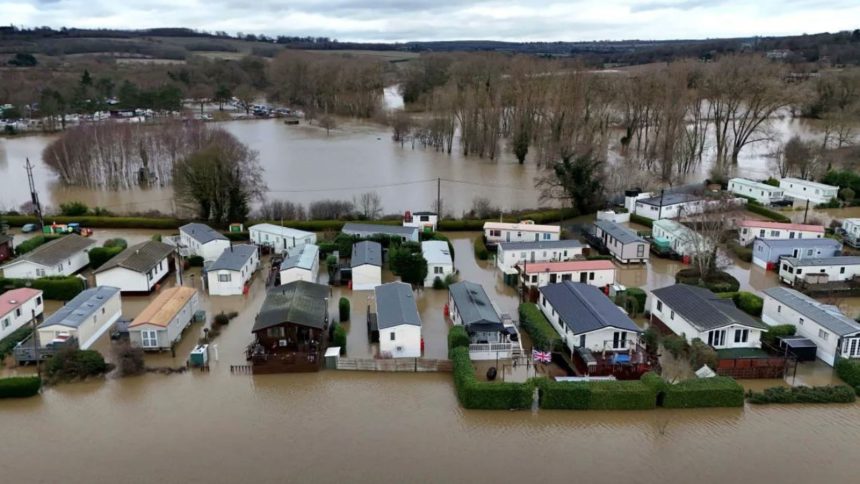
<point>627,364</point>
<point>283,360</point>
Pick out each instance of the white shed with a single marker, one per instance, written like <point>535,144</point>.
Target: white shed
<point>136,269</point>
<point>86,317</point>
<point>228,275</point>
<point>366,265</point>
<point>18,307</point>
<point>303,266</point>
<point>280,239</point>
<point>439,262</point>
<point>62,257</point>
<point>398,321</point>
<point>202,240</point>
<point>160,325</point>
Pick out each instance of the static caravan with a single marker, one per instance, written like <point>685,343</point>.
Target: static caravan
<point>439,262</point>
<point>808,190</point>
<point>369,230</point>
<point>229,274</point>
<point>423,221</point>
<point>683,240</point>
<point>835,335</point>
<point>624,244</point>
<point>280,239</point>
<point>136,269</point>
<point>511,254</point>
<point>304,266</point>
<point>669,205</point>
<point>85,318</point>
<point>749,230</point>
<point>62,257</point>
<point>469,306</point>
<point>366,265</point>
<point>398,321</point>
<point>161,324</point>
<point>851,231</point>
<point>695,312</point>
<point>760,192</point>
<point>794,271</point>
<point>524,231</point>
<point>18,307</point>
<point>599,273</point>
<point>202,240</point>
<point>768,252</point>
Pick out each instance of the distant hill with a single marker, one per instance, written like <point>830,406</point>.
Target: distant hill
<point>178,43</point>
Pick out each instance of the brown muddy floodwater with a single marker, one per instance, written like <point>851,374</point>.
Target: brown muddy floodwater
<point>337,426</point>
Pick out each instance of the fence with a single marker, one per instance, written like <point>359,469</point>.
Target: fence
<point>413,365</point>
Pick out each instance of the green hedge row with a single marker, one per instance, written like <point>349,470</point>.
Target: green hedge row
<point>457,338</point>
<point>339,337</point>
<point>704,392</point>
<point>598,395</point>
<point>772,335</point>
<point>34,242</point>
<point>766,212</point>
<point>20,386</point>
<point>542,334</point>
<point>238,236</point>
<point>61,288</point>
<point>100,255</point>
<point>743,253</point>
<point>747,302</point>
<point>638,219</point>
<point>100,222</point>
<point>849,372</point>
<point>474,394</point>
<point>71,364</point>
<point>8,343</point>
<point>825,394</point>
<point>481,251</point>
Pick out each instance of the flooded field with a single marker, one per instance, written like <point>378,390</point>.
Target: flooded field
<point>335,426</point>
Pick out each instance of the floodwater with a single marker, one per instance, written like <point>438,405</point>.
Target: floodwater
<point>337,426</point>
<point>304,164</point>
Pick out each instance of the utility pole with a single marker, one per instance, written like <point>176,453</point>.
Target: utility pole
<point>34,195</point>
<point>438,198</point>
<point>660,208</point>
<point>806,212</point>
<point>36,345</point>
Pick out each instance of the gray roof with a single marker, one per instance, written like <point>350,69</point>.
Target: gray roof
<point>704,309</point>
<point>303,260</point>
<point>824,261</point>
<point>300,302</point>
<point>395,305</point>
<point>202,233</point>
<point>799,243</point>
<point>670,199</point>
<point>4,238</point>
<point>474,307</point>
<point>621,234</point>
<point>584,308</point>
<point>56,251</point>
<point>79,309</point>
<point>366,230</point>
<point>139,258</point>
<point>366,252</point>
<point>549,244</point>
<point>233,258</point>
<point>825,315</point>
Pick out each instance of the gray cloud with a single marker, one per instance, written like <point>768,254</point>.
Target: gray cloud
<point>403,20</point>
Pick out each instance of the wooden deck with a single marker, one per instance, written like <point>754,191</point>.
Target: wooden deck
<point>286,362</point>
<point>411,365</point>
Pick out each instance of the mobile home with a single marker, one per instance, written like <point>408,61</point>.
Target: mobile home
<point>303,266</point>
<point>749,230</point>
<point>136,269</point>
<point>85,318</point>
<point>228,275</point>
<point>808,190</point>
<point>398,321</point>
<point>524,231</point>
<point>160,325</point>
<point>624,244</point>
<point>760,192</point>
<point>600,273</point>
<point>202,240</point>
<point>366,265</point>
<point>768,252</point>
<point>683,240</point>
<point>439,262</point>
<point>280,239</point>
<point>62,257</point>
<point>511,254</point>
<point>796,271</point>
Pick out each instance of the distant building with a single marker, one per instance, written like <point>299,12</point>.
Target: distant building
<point>280,239</point>
<point>202,240</point>
<point>524,231</point>
<point>370,230</point>
<point>303,266</point>
<point>761,192</point>
<point>749,230</point>
<point>423,221</point>
<point>669,205</point>
<point>366,264</point>
<point>136,269</point>
<point>766,253</point>
<point>228,275</point>
<point>439,261</point>
<point>808,190</point>
<point>85,318</point>
<point>398,321</point>
<point>160,325</point>
<point>62,257</point>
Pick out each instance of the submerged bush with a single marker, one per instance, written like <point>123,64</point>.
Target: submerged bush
<point>20,386</point>
<point>803,394</point>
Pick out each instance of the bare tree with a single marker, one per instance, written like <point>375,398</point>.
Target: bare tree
<point>369,205</point>
<point>709,229</point>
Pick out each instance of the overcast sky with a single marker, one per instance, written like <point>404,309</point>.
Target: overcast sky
<point>402,20</point>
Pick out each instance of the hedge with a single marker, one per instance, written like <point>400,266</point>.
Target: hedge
<point>34,242</point>
<point>196,261</point>
<point>8,343</point>
<point>542,334</point>
<point>100,222</point>
<point>457,338</point>
<point>743,253</point>
<point>638,219</point>
<point>100,255</point>
<point>720,391</point>
<point>745,301</point>
<point>339,337</point>
<point>716,281</point>
<point>73,363</point>
<point>766,212</point>
<point>481,251</point>
<point>474,394</point>
<point>343,309</point>
<point>849,371</point>
<point>20,386</point>
<point>640,296</point>
<point>238,236</point>
<point>803,394</point>
<point>61,288</point>
<point>772,335</point>
<point>596,395</point>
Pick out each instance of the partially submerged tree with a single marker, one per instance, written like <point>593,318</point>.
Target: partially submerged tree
<point>579,181</point>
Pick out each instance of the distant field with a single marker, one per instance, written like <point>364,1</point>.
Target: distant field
<point>387,55</point>
<point>148,61</point>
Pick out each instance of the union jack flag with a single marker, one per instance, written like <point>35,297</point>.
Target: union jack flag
<point>541,356</point>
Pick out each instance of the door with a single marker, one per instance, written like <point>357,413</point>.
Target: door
<point>795,253</point>
<point>583,277</point>
<point>532,257</point>
<point>552,278</point>
<point>582,341</point>
<point>507,236</point>
<point>537,237</point>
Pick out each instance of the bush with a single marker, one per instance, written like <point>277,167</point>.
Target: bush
<point>689,275</point>
<point>676,345</point>
<point>596,395</point>
<point>481,251</point>
<point>8,343</point>
<point>74,209</point>
<point>457,338</point>
<point>847,194</point>
<point>195,261</point>
<point>640,296</point>
<point>743,253</point>
<point>238,236</point>
<point>638,219</point>
<point>749,303</point>
<point>598,257</point>
<point>766,212</point>
<point>718,391</point>
<point>701,354</point>
<point>156,237</point>
<point>117,242</point>
<point>772,335</point>
<point>20,386</point>
<point>849,371</point>
<point>71,364</point>
<point>343,309</point>
<point>772,182</point>
<point>100,255</point>
<point>31,244</point>
<point>221,319</point>
<point>338,337</point>
<point>802,394</point>
<point>474,394</point>
<point>129,359</point>
<point>651,336</point>
<point>543,335</point>
<point>438,283</point>
<point>721,281</point>
<point>832,203</point>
